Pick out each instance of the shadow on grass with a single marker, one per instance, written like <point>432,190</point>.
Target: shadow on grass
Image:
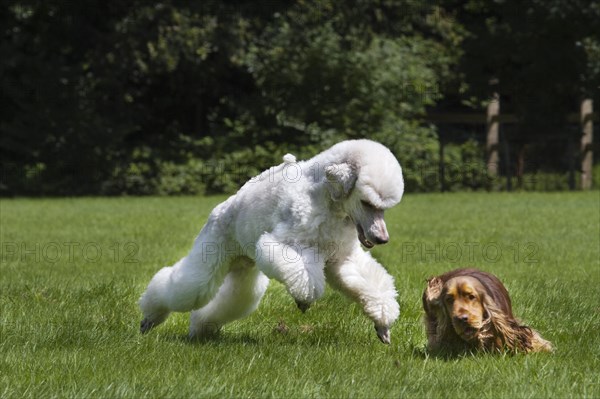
<point>228,339</point>
<point>213,339</point>
<point>446,354</point>
<point>458,353</point>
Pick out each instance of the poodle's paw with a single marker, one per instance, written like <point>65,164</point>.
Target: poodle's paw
<point>384,334</point>
<point>434,289</point>
<point>204,330</point>
<point>147,325</point>
<point>303,306</point>
<point>153,320</point>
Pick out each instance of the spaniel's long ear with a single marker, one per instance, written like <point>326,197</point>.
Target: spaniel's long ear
<point>512,334</point>
<point>501,326</point>
<point>539,344</point>
<point>340,180</point>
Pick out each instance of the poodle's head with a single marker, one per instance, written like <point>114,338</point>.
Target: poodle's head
<point>366,180</point>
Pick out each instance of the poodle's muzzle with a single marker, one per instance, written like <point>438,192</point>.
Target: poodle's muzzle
<point>372,229</point>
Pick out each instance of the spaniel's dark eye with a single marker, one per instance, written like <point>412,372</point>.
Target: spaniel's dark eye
<point>471,297</point>
<point>449,299</point>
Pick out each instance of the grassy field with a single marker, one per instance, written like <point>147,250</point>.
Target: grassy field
<point>73,269</point>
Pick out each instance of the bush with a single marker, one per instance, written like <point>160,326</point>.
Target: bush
<point>464,167</point>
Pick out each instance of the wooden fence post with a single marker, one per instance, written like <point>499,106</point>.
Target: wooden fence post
<point>492,120</point>
<point>442,166</point>
<point>587,127</point>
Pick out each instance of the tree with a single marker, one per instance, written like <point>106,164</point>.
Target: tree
<point>542,57</point>
<point>129,97</point>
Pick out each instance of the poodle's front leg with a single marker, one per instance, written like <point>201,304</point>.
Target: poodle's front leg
<point>361,278</point>
<point>300,269</point>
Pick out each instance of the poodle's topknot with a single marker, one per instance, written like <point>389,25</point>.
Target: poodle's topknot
<point>289,158</point>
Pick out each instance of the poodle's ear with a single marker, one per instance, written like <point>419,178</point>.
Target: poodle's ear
<point>340,180</point>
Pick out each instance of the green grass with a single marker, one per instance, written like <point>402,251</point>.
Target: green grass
<point>73,269</point>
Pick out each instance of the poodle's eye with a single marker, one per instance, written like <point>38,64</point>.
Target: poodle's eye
<point>366,204</point>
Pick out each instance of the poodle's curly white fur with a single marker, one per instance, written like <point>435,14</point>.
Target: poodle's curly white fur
<point>300,223</point>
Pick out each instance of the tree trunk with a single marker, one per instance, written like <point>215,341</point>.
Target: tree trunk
<point>521,165</point>
<point>587,126</point>
<point>493,113</point>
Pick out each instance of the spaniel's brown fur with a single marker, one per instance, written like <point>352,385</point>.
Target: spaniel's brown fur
<point>471,309</point>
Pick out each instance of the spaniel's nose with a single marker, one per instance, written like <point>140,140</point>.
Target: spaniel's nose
<point>463,317</point>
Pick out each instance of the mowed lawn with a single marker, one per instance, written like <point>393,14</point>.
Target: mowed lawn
<point>73,269</point>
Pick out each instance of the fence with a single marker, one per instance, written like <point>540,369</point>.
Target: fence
<point>493,121</point>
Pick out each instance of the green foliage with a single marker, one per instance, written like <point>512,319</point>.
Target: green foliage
<point>464,167</point>
<point>544,181</point>
<point>73,270</point>
<point>117,98</point>
<point>118,90</point>
<point>144,175</point>
<point>540,56</point>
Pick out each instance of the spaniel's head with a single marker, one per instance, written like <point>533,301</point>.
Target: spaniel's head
<point>463,300</point>
<point>471,308</point>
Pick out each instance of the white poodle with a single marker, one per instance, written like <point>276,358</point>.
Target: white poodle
<point>299,223</point>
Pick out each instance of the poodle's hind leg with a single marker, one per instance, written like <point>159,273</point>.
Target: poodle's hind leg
<point>239,296</point>
<point>189,284</point>
<point>301,270</point>
<point>364,280</point>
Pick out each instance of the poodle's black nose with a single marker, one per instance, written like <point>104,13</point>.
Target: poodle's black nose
<point>381,240</point>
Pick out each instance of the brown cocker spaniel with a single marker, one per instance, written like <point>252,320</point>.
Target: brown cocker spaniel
<point>470,309</point>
